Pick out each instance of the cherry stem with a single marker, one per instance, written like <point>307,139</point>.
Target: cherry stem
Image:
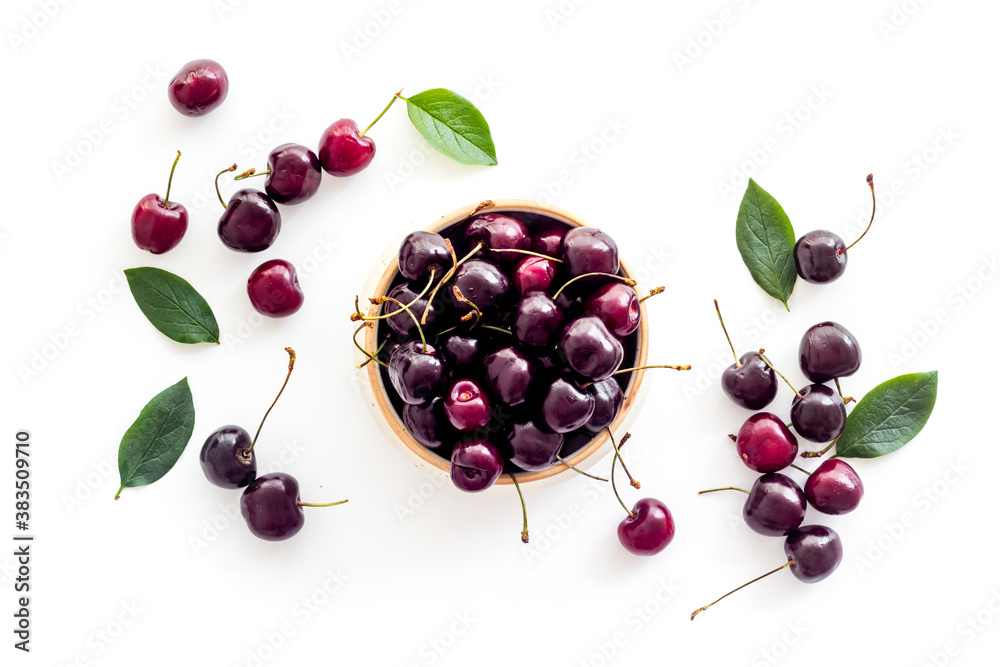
<point>686,367</point>
<point>577,470</point>
<point>461,299</point>
<point>764,359</point>
<point>528,252</point>
<point>487,326</point>
<point>653,292</point>
<point>291,365</point>
<point>250,173</point>
<point>627,281</point>
<point>524,510</point>
<point>802,470</point>
<point>846,399</point>
<point>359,316</point>
<point>777,569</point>
<point>379,117</point>
<point>455,262</point>
<point>302,504</point>
<point>166,198</point>
<point>378,351</point>
<point>625,438</point>
<point>613,487</point>
<point>719,313</point>
<point>219,193</point>
<point>813,455</point>
<point>871,185</point>
<point>371,357</point>
<point>724,488</point>
<point>406,307</point>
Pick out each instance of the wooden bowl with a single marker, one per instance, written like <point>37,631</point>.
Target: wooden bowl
<point>391,423</point>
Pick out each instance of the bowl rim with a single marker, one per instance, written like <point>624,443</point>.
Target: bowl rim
<point>590,450</point>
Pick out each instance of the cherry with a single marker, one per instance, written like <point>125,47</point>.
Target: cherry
<point>818,413</point>
<point>293,174</point>
<point>427,423</point>
<point>461,351</point>
<point>198,87</point>
<point>547,238</point>
<point>537,320</point>
<point>820,256</point>
<point>496,231</point>
<point>534,274</point>
<point>608,399</point>
<point>509,375</point>
<point>416,372</point>
<point>834,487</point>
<point>749,383</point>
<point>272,508</point>
<point>482,283</point>
<point>274,290</point>
<point>648,529</point>
<point>765,444</point>
<point>533,447</point>
<point>589,250</point>
<point>250,222</point>
<point>566,407</point>
<point>828,351</point>
<point>227,457</point>
<point>467,406</point>
<point>401,322</point>
<point>590,348</point>
<point>420,253</point>
<point>617,305</point>
<point>343,151</point>
<point>475,465</point>
<point>159,224</point>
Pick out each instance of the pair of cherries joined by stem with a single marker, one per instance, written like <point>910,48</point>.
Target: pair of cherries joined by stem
<point>270,503</point>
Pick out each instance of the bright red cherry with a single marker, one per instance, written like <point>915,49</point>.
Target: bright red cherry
<point>648,529</point>
<point>343,151</point>
<point>199,87</point>
<point>159,224</point>
<point>765,444</point>
<point>274,289</point>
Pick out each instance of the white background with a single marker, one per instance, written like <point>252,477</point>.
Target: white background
<point>807,98</point>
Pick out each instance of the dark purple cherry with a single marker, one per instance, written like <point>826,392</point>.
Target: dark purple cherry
<point>534,274</point>
<point>537,320</point>
<point>818,413</point>
<point>159,224</point>
<point>498,231</point>
<point>591,350</point>
<point>402,323</point>
<point>343,151</point>
<point>467,406</point>
<point>227,459</point>
<point>272,508</point>
<point>589,250</point>
<point>775,506</point>
<point>547,238</point>
<point>199,87</point>
<point>820,257</point>
<point>461,351</point>
<point>475,465</point>
<point>482,282</point>
<point>617,306</point>
<point>828,351</point>
<point>765,444</point>
<point>750,383</point>
<point>814,553</point>
<point>420,252</point>
<point>608,399</point>
<point>295,174</point>
<point>274,290</point>
<point>566,407</point>
<point>416,375</point>
<point>648,529</point>
<point>509,375</point>
<point>427,423</point>
<point>834,487</point>
<point>533,448</point>
<point>251,221</point>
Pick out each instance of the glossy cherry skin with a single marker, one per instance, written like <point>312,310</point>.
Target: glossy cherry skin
<point>752,384</point>
<point>608,399</point>
<point>820,257</point>
<point>648,530</point>
<point>775,506</point>
<point>467,406</point>
<point>250,223</point>
<point>537,320</point>
<point>422,251</point>
<point>482,282</point>
<point>617,306</point>
<point>402,323</point>
<point>226,458</point>
<point>496,230</point>
<point>295,174</point>
<point>199,87</point>
<point>270,506</point>
<point>274,289</point>
<point>589,250</point>
<point>427,423</point>
<point>547,238</point>
<point>566,407</point>
<point>591,350</point>
<point>342,149</point>
<point>834,487</point>
<point>417,376</point>
<point>819,415</point>
<point>533,448</point>
<point>509,375</point>
<point>157,227</point>
<point>475,466</point>
<point>534,274</point>
<point>461,351</point>
<point>827,351</point>
<point>816,550</point>
<point>765,444</point>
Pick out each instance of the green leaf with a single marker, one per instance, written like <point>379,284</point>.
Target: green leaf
<point>154,442</point>
<point>766,240</point>
<point>173,306</point>
<point>889,416</point>
<point>452,125</point>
